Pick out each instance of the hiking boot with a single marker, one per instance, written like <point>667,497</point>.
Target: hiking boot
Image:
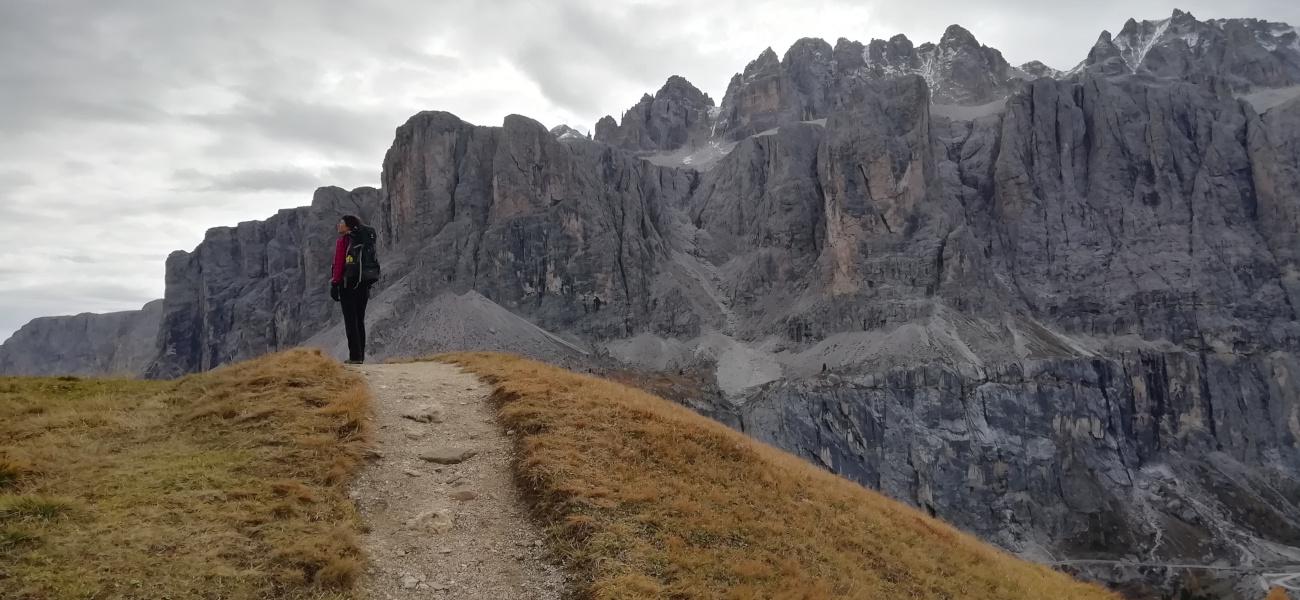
<point>354,362</point>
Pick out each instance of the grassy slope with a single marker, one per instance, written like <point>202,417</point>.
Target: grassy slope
<point>221,485</point>
<point>649,500</point>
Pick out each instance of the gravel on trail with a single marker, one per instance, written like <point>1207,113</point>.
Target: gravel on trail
<point>443,516</point>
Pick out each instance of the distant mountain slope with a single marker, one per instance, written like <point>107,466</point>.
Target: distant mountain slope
<point>121,343</point>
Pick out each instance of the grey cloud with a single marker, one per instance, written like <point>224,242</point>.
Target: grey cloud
<point>325,127</point>
<point>31,111</point>
<point>351,177</point>
<point>14,178</point>
<point>104,294</point>
<point>585,57</point>
<point>80,60</point>
<point>287,179</point>
<point>249,180</point>
<point>585,52</point>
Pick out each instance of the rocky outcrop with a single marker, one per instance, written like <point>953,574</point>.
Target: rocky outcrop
<point>1241,53</point>
<point>1273,143</point>
<point>1139,207</point>
<point>762,97</point>
<point>116,344</point>
<point>564,132</point>
<point>814,79</point>
<point>254,288</point>
<point>678,115</point>
<point>1037,70</point>
<point>958,70</point>
<point>569,235</point>
<point>1177,458</point>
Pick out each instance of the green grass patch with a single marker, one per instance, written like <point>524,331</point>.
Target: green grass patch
<point>17,508</point>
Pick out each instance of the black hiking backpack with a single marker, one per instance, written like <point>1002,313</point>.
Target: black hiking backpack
<point>361,267</point>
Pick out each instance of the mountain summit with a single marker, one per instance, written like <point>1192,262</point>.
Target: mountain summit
<point>1243,53</point>
<point>678,114</point>
<point>813,77</point>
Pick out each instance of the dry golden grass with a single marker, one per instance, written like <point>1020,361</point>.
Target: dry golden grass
<point>226,485</point>
<point>1278,593</point>
<point>646,499</point>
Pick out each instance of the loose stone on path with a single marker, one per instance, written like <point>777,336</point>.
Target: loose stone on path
<point>448,456</point>
<point>425,415</point>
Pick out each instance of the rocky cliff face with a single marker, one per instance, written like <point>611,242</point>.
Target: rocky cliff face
<point>118,344</point>
<point>1035,69</point>
<point>253,288</point>
<point>1273,143</point>
<point>814,79</point>
<point>569,234</point>
<point>677,115</point>
<point>1097,277</point>
<point>1153,457</point>
<point>564,133</point>
<point>958,70</point>
<point>1059,310</point>
<point>1241,53</point>
<point>1100,282</point>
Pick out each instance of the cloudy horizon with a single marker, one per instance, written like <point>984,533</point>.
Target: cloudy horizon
<point>126,131</point>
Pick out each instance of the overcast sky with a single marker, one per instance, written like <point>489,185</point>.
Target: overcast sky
<point>129,127</point>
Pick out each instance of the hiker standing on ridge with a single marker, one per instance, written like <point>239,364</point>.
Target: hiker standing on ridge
<point>356,268</point>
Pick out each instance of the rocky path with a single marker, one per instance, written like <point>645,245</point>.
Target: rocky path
<point>444,517</point>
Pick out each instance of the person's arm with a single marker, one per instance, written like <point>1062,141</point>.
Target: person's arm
<point>336,274</point>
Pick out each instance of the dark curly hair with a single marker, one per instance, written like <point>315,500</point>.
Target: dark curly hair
<point>351,221</point>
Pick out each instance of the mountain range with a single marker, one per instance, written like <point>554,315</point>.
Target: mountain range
<point>1056,308</point>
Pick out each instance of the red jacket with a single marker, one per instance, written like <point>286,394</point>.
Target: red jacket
<point>340,254</point>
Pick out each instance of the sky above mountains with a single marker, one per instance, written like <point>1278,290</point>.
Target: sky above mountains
<point>128,128</point>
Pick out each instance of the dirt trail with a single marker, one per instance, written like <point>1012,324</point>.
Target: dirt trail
<point>444,517</point>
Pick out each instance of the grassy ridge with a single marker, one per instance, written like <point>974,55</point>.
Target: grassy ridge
<point>227,484</point>
<point>646,499</point>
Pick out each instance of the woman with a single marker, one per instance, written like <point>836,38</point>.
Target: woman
<point>356,268</point>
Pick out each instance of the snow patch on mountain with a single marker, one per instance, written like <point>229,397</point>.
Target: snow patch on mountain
<point>1135,51</point>
<point>1264,100</point>
<point>701,158</point>
<point>934,63</point>
<point>565,133</point>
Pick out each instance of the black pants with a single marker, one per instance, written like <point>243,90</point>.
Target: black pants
<point>354,302</point>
